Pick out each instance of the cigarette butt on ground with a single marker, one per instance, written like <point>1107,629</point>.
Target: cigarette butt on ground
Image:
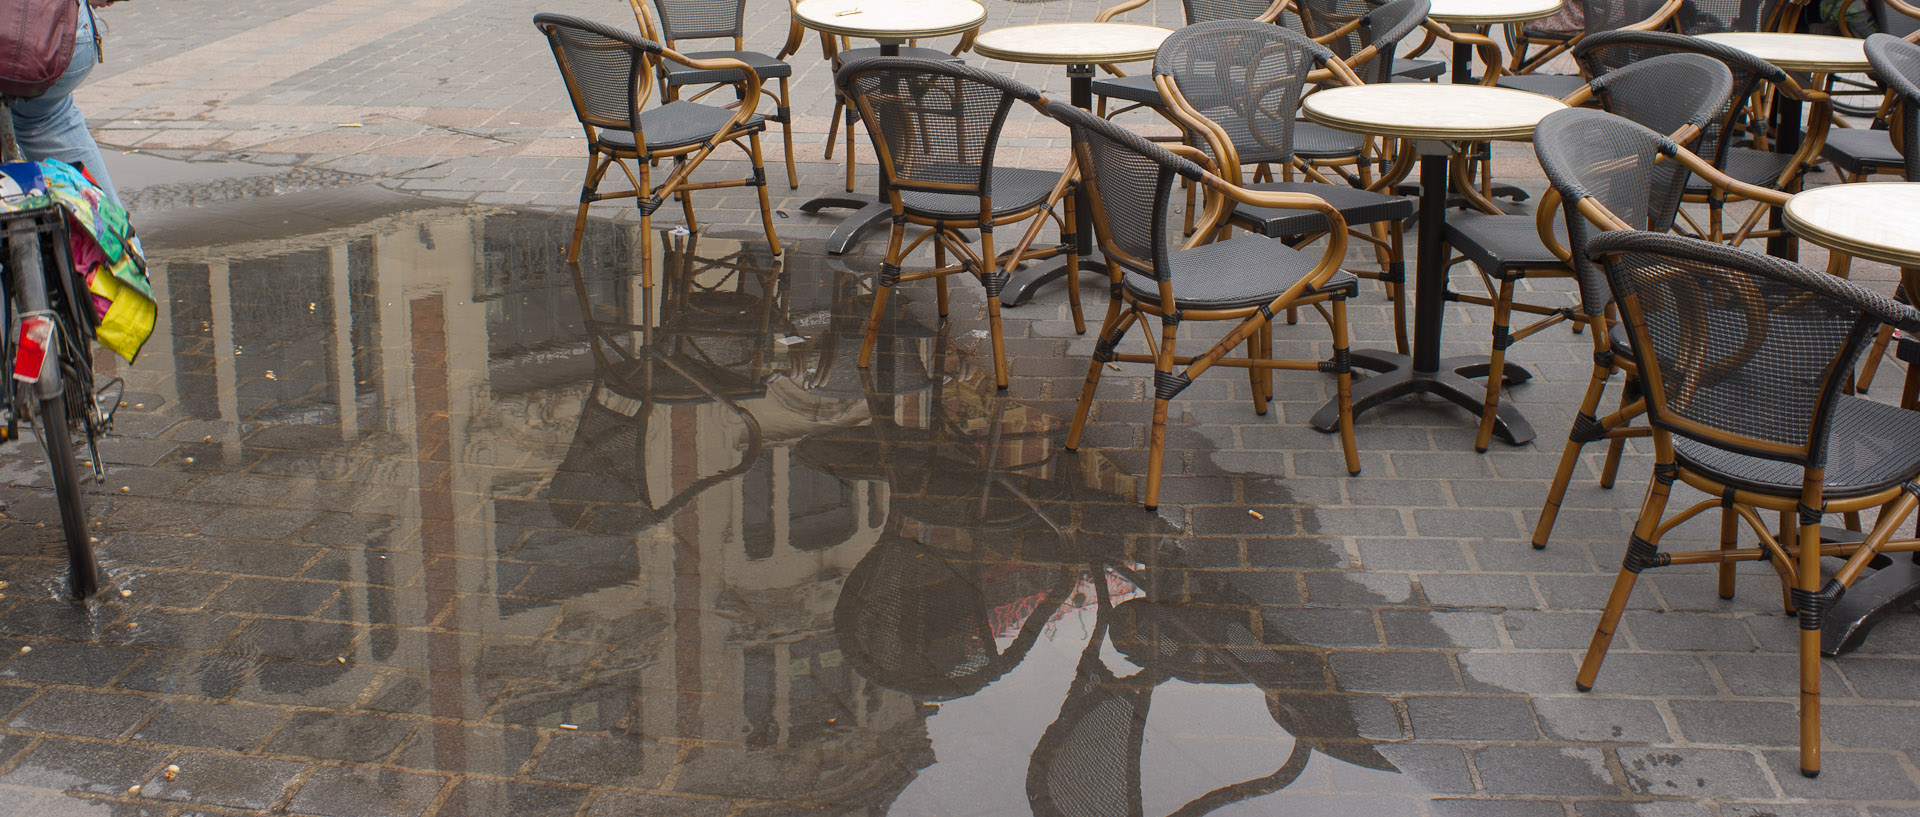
<point>1256,514</point>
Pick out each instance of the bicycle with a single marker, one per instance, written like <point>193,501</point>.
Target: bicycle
<point>46,346</point>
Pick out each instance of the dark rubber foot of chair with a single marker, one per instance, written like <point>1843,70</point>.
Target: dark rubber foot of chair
<point>1582,687</point>
<point>1809,774</point>
<point>1539,546</point>
<point>1001,388</point>
<point>1479,449</point>
<point>1727,597</point>
<point>1151,508</point>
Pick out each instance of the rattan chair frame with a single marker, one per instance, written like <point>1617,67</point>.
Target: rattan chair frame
<point>602,155</point>
<point>782,95</point>
<point>1501,293</point>
<point>1901,112</point>
<point>1386,236</point>
<point>1617,427</point>
<point>1253,327</point>
<point>1796,552</point>
<point>1522,63</point>
<point>948,235</point>
<point>1270,15</point>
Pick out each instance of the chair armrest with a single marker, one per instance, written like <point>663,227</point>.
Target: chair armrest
<point>1116,10</point>
<point>1711,175</point>
<point>1543,216</point>
<point>749,96</point>
<point>1659,20</point>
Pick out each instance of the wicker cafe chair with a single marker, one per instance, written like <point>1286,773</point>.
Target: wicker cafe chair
<point>1138,90</point>
<point>721,20</point>
<point>1535,42</point>
<point>1600,16</point>
<point>1609,173</point>
<point>839,52</point>
<point>1245,279</point>
<point>1896,63</point>
<point>1349,27</point>
<point>1731,143</point>
<point>935,127</point>
<point>607,72</point>
<point>1716,16</point>
<point>1744,361</point>
<point>1236,87</point>
<point>1674,94</point>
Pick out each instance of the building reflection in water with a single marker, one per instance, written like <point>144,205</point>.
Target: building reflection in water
<point>682,520</point>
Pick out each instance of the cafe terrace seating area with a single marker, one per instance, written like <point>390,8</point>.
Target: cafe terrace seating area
<point>941,407</point>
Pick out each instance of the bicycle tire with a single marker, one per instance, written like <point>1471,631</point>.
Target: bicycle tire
<point>83,568</point>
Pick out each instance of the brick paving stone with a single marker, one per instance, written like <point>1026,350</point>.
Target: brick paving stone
<point>334,736</point>
<point>224,780</point>
<point>1592,719</point>
<point>477,798</point>
<point>1441,717</point>
<point>85,714</point>
<point>1845,775</point>
<point>1694,772</point>
<point>366,792</point>
<point>1532,771</point>
<point>234,727</point>
<point>91,768</point>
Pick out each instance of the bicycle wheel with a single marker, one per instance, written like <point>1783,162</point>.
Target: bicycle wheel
<point>83,571</point>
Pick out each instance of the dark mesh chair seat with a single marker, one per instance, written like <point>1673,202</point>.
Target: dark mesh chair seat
<point>1418,69</point>
<point>1138,88</point>
<point>1355,205</point>
<point>1873,446</point>
<point>1014,190</point>
<point>1312,140</point>
<point>853,55</point>
<point>1501,245</point>
<point>1755,167</point>
<point>678,124</point>
<point>1240,272</point>
<point>1861,151</point>
<point>768,67</point>
<point>1553,85</point>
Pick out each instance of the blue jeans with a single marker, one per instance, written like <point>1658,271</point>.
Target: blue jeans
<point>50,126</point>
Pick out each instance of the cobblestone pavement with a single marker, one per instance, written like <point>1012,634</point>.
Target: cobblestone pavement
<point>401,533</point>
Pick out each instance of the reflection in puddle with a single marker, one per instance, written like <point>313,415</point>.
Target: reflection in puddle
<point>424,500</point>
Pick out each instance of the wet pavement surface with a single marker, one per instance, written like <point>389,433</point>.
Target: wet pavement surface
<point>406,516</point>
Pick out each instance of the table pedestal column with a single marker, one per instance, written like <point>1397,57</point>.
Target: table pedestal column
<point>1426,372</point>
<point>1024,283</point>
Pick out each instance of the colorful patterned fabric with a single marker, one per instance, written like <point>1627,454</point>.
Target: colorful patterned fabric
<point>105,251</point>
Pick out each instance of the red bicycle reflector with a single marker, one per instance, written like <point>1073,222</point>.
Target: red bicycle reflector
<point>36,335</point>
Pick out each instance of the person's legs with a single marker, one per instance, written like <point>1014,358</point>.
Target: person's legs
<point>50,126</point>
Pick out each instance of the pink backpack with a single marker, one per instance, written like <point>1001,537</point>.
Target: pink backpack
<point>36,44</point>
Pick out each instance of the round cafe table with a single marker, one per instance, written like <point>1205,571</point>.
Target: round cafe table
<point>1079,47</point>
<point>1480,15</point>
<point>1438,121</point>
<point>1809,53</point>
<point>891,23</point>
<point>1873,221</point>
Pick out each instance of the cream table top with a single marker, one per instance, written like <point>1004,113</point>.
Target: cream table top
<point>1071,43</point>
<point>1872,220</point>
<point>1490,12</point>
<point>1422,110</point>
<point>1817,53</point>
<point>890,19</point>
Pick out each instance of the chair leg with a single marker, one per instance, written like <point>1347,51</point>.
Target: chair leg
<point>1342,384</point>
<point>646,227</point>
<point>1808,582</point>
<point>1651,510</point>
<point>940,284</point>
<point>1397,289</point>
<point>833,123</point>
<point>852,116</point>
<point>1073,269</point>
<point>884,285</point>
<point>1729,539</point>
<point>1870,362</point>
<point>1157,428</point>
<point>785,113</point>
<point>993,280</point>
<point>1112,328</point>
<point>766,204</point>
<point>1254,374</point>
<point>1610,466</point>
<point>595,171</point>
<point>1502,313</point>
<point>1570,456</point>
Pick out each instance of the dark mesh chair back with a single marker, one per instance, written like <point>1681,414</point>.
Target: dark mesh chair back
<point>1618,164</point>
<point>1896,63</point>
<point>701,19</point>
<point>1600,54</point>
<point>605,70</point>
<point>1608,15</point>
<point>1667,92</point>
<point>1714,16</point>
<point>1131,180</point>
<point>1888,20</point>
<point>1207,11</point>
<point>1384,27</point>
<point>1740,351</point>
<point>934,125</point>
<point>1245,76</point>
